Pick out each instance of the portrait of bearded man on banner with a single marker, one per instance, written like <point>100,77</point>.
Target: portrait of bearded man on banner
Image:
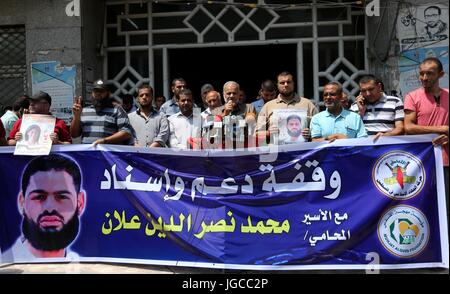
<point>51,201</point>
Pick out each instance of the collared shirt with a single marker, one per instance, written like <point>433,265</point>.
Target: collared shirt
<point>170,107</point>
<point>265,115</point>
<point>104,123</point>
<point>60,128</point>
<point>429,112</point>
<point>182,128</point>
<point>206,113</point>
<point>258,104</point>
<point>382,115</point>
<point>8,120</point>
<point>347,122</point>
<point>20,253</point>
<point>154,128</point>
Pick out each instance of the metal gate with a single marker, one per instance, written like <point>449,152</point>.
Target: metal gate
<point>13,71</point>
<point>138,35</point>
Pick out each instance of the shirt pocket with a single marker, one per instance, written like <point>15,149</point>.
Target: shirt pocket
<point>350,132</point>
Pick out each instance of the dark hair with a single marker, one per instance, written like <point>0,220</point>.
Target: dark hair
<point>293,116</point>
<point>21,103</point>
<point>186,92</point>
<point>367,78</point>
<point>48,162</point>
<point>338,85</point>
<point>30,128</point>
<point>284,73</point>
<point>145,86</point>
<point>127,99</point>
<point>177,80</point>
<point>432,7</point>
<point>435,60</point>
<point>268,85</point>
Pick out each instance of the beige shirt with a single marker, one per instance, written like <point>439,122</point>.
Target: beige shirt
<point>265,115</point>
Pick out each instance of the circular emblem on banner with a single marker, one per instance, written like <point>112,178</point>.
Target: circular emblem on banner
<point>404,231</point>
<point>399,175</point>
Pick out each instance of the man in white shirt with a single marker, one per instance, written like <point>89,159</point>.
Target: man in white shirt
<point>184,126</point>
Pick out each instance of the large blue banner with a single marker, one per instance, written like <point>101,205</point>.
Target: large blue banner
<point>348,204</point>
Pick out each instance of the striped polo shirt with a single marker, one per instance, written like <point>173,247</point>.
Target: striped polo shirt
<point>104,123</point>
<point>382,115</point>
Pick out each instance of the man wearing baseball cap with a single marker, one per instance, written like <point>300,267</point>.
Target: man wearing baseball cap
<point>102,122</point>
<point>40,104</point>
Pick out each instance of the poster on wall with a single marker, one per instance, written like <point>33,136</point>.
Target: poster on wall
<point>59,82</point>
<point>422,32</point>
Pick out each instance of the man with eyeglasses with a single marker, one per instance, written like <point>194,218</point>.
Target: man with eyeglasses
<point>382,115</point>
<point>40,104</point>
<point>335,122</point>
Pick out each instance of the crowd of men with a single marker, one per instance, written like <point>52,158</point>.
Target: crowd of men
<point>231,123</point>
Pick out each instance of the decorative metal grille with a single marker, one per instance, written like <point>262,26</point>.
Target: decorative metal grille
<point>143,31</point>
<point>13,69</point>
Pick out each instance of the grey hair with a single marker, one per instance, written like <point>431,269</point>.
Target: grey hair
<point>230,83</point>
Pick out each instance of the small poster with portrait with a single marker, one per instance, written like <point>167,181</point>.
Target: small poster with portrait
<point>35,130</point>
<point>290,123</point>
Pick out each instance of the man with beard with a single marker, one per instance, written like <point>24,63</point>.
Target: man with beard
<point>287,99</point>
<point>426,109</point>
<point>51,201</point>
<point>102,122</point>
<point>335,122</point>
<point>171,107</point>
<point>294,129</point>
<point>151,127</point>
<point>184,127</point>
<point>267,93</point>
<point>40,104</point>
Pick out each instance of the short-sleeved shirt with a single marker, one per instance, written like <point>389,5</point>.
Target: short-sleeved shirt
<point>19,252</point>
<point>60,128</point>
<point>170,107</point>
<point>258,104</point>
<point>382,115</point>
<point>104,123</point>
<point>8,120</point>
<point>265,115</point>
<point>154,128</point>
<point>181,129</point>
<point>347,122</point>
<point>429,112</point>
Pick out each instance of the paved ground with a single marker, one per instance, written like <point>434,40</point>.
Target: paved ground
<point>109,268</point>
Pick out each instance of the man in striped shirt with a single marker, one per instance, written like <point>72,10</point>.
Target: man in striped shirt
<point>102,122</point>
<point>382,115</point>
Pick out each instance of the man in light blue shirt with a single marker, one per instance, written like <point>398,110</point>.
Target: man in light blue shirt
<point>335,122</point>
<point>171,107</point>
<point>267,93</point>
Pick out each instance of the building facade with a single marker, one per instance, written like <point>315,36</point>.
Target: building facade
<point>131,42</point>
